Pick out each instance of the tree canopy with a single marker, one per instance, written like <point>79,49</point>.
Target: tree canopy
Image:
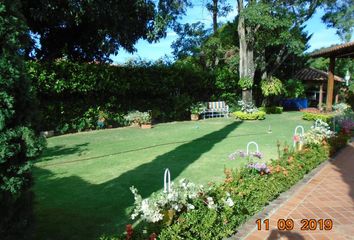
<point>87,30</point>
<point>340,15</point>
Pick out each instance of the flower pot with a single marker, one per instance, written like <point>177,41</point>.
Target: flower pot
<point>194,117</point>
<point>145,126</point>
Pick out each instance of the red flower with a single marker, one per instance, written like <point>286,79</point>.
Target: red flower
<point>296,138</point>
<point>129,230</point>
<point>153,236</point>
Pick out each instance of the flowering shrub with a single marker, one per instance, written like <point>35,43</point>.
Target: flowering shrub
<point>136,117</point>
<point>247,107</point>
<point>341,107</point>
<point>259,167</point>
<point>318,132</point>
<point>347,126</point>
<point>179,199</point>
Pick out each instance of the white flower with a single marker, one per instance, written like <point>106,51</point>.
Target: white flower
<point>229,202</point>
<point>190,206</point>
<point>211,203</point>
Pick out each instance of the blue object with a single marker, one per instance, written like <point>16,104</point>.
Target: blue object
<point>295,104</point>
<point>100,124</point>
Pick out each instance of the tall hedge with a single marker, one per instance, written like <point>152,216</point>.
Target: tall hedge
<point>18,143</point>
<point>67,90</point>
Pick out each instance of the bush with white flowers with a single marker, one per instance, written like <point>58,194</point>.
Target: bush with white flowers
<point>319,131</point>
<point>179,198</point>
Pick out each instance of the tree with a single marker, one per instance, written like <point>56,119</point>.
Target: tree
<point>253,16</point>
<point>18,143</point>
<point>86,30</point>
<point>340,15</point>
<point>190,39</point>
<point>218,8</point>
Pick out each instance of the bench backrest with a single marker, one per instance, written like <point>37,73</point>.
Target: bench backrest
<point>216,105</point>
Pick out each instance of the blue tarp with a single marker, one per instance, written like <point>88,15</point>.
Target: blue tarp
<point>295,103</point>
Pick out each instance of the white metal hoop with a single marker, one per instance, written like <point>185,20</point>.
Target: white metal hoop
<point>301,134</point>
<point>248,145</point>
<point>167,181</point>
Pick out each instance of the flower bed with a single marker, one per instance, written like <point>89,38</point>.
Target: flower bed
<point>189,211</point>
<point>311,116</point>
<point>260,115</point>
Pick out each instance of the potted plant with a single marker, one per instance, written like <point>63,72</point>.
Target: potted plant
<point>145,120</point>
<point>133,118</point>
<point>102,117</point>
<point>195,110</point>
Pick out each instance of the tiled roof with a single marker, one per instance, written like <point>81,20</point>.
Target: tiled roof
<point>339,51</point>
<point>312,74</point>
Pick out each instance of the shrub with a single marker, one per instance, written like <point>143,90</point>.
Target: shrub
<point>294,89</point>
<point>250,189</point>
<point>341,107</point>
<point>247,107</point>
<point>197,108</point>
<point>319,132</point>
<point>67,90</point>
<point>18,142</point>
<point>271,110</point>
<point>314,116</point>
<point>138,118</point>
<point>260,115</point>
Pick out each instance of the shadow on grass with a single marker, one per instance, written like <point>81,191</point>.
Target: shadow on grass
<point>72,208</point>
<point>62,150</point>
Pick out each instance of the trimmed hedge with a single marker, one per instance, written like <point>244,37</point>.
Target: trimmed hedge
<point>271,110</point>
<point>314,116</point>
<point>260,115</point>
<point>72,94</point>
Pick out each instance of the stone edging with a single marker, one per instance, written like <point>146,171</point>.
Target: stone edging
<point>245,229</point>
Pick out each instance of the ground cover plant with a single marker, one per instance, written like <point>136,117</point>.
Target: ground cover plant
<point>82,180</point>
<point>248,111</point>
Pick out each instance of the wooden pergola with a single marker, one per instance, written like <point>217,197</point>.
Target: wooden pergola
<point>345,50</point>
<point>317,79</point>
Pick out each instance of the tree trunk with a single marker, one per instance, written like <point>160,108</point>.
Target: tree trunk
<point>246,66</point>
<point>215,15</point>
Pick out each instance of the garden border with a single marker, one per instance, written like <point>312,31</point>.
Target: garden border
<point>246,228</point>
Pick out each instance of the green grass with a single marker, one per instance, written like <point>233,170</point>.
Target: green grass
<point>82,180</point>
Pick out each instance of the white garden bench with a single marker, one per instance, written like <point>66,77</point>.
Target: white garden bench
<point>216,109</point>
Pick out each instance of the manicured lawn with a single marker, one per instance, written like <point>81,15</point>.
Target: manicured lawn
<point>82,180</point>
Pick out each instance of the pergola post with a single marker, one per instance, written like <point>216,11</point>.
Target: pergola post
<point>320,100</point>
<point>330,84</point>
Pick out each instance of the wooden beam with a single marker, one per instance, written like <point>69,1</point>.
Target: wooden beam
<point>320,100</point>
<point>330,84</point>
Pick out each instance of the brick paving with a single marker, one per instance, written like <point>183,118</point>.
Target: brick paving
<point>329,194</point>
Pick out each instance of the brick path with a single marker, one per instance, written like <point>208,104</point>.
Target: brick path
<point>328,195</point>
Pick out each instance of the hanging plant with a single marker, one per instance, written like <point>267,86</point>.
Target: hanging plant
<point>271,87</point>
<point>245,82</point>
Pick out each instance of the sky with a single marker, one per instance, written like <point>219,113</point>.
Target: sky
<point>321,35</point>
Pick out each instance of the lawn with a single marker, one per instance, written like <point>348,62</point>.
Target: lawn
<point>82,180</point>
